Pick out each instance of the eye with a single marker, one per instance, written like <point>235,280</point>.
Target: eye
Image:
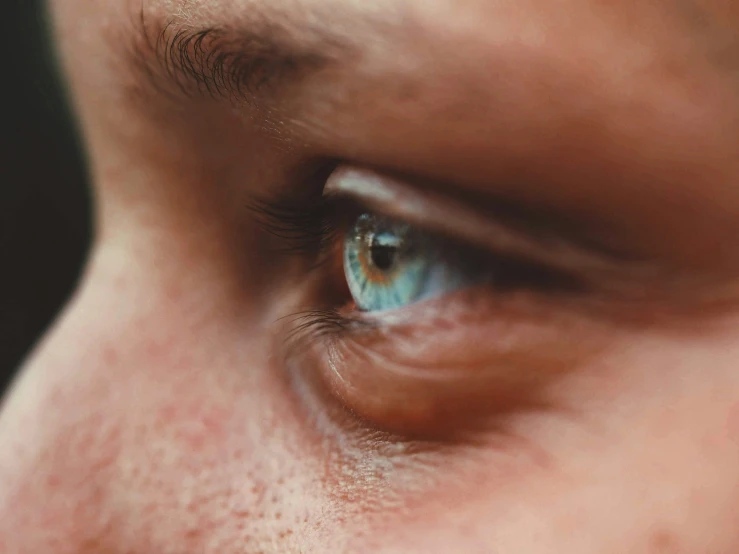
<point>428,316</point>
<point>389,265</point>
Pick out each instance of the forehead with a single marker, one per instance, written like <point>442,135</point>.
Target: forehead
<point>645,72</point>
<point>527,19</point>
<point>480,45</point>
<point>586,82</point>
<point>582,103</point>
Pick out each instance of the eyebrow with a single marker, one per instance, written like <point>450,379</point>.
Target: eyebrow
<point>248,63</point>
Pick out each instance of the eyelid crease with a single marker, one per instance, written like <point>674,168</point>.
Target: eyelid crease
<point>448,216</point>
<point>307,220</point>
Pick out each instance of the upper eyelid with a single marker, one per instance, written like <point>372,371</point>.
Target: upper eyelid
<point>448,216</point>
<point>308,224</point>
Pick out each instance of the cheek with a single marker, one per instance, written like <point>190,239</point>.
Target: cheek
<point>732,424</point>
<point>653,498</point>
<point>154,430</point>
<point>152,421</point>
<point>643,465</point>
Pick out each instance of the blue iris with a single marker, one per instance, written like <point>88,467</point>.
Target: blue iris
<point>389,265</point>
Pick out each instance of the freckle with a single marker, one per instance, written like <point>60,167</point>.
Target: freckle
<point>664,542</point>
<point>174,292</point>
<point>159,349</point>
<point>259,490</point>
<point>278,515</point>
<point>732,424</point>
<point>110,356</point>
<point>443,325</point>
<point>120,283</point>
<point>212,420</point>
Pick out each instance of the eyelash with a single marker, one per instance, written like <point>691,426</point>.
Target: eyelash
<point>304,227</point>
<point>310,228</point>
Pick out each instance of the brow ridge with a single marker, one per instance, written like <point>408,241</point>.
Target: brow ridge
<point>246,63</point>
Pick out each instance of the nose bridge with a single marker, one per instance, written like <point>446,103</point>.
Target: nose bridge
<point>141,425</point>
<point>105,453</point>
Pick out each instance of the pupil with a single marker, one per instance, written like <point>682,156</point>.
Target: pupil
<point>383,256</point>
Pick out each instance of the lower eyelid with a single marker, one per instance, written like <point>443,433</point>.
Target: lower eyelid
<point>454,370</point>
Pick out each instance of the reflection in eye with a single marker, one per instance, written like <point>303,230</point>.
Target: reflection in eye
<point>389,265</point>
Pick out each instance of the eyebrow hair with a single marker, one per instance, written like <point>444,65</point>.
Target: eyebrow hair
<point>239,63</point>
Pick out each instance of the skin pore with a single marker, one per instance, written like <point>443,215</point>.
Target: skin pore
<point>179,405</point>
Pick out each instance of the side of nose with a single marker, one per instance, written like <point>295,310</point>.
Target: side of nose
<point>58,449</point>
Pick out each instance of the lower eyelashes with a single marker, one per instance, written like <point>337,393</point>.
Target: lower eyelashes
<point>445,367</point>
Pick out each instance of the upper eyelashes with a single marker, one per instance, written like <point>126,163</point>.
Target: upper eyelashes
<point>389,260</point>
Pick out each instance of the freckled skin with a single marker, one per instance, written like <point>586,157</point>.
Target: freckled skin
<point>156,416</point>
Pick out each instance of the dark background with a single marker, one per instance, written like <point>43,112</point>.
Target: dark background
<point>44,201</point>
